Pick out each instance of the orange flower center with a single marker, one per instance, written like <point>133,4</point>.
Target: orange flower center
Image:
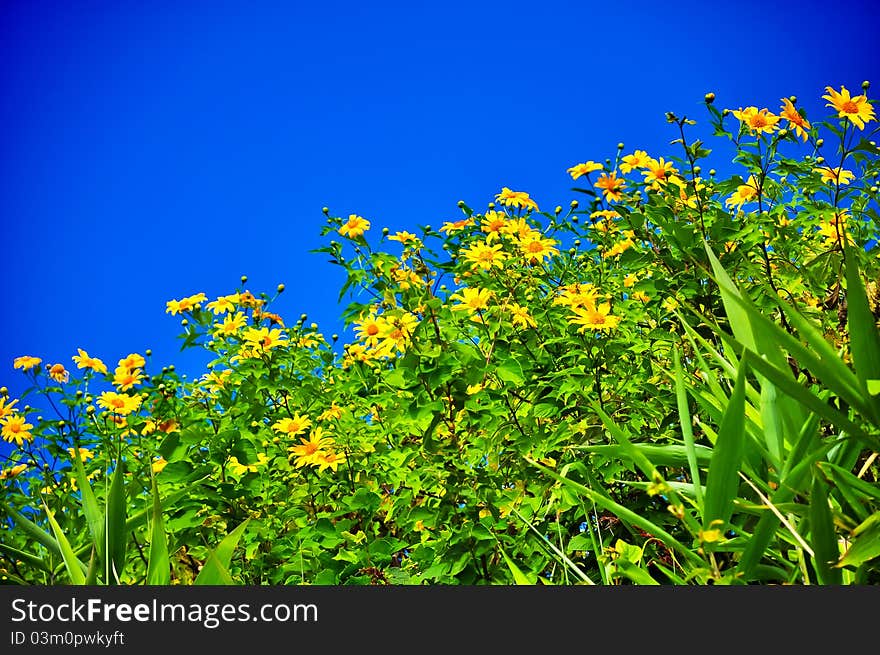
<point>14,427</point>
<point>536,247</point>
<point>758,120</point>
<point>372,329</point>
<point>487,256</point>
<point>849,107</point>
<point>118,403</point>
<point>496,225</point>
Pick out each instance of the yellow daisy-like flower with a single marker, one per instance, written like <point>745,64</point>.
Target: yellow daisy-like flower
<point>399,329</point>
<point>355,226</point>
<point>519,228</point>
<point>856,109</point>
<point>58,373</point>
<point>471,300</point>
<point>757,120</point>
<point>407,279</point>
<point>26,362</point>
<point>333,413</point>
<point>8,474</point>
<point>493,224</point>
<point>263,338</point>
<point>604,214</point>
<point>835,175</point>
<point>577,295</point>
<point>744,193</point>
<point>238,469</point>
<point>484,256</point>
<point>231,324</point>
<point>641,296</point>
<point>328,459</point>
<point>132,361</point>
<point>16,429</point>
<point>611,185</point>
<point>119,403</point>
<point>596,318</point>
<point>454,226</point>
<point>185,304</point>
<point>371,329</point>
<point>224,304</point>
<point>619,248</point>
<point>630,279</point>
<point>520,316</point>
<point>585,168</point>
<point>292,426</point>
<point>158,464</point>
<point>125,378</point>
<point>84,454</point>
<point>537,248</point>
<point>658,171</point>
<point>519,199</point>
<point>6,409</point>
<point>669,304</point>
<point>306,452</point>
<point>794,118</point>
<point>639,159</point>
<point>83,360</point>
<point>403,237</point>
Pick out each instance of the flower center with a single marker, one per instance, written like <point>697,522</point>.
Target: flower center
<point>372,329</point>
<point>849,107</point>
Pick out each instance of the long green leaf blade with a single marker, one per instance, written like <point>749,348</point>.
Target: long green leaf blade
<point>91,509</point>
<point>216,568</point>
<point>116,534</point>
<point>159,568</point>
<point>74,567</point>
<point>822,536</point>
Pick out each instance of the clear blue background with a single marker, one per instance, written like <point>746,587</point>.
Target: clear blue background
<point>152,150</point>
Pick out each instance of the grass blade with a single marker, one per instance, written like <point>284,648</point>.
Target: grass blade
<point>116,536</point>
<point>863,335</point>
<point>687,431</point>
<point>159,567</point>
<point>216,568</point>
<point>519,577</point>
<point>75,568</point>
<point>91,509</point>
<point>822,535</point>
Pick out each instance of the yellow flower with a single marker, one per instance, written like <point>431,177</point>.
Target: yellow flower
<point>835,228</point>
<point>483,256</point>
<point>493,224</point>
<point>335,412</point>
<point>794,118</point>
<point>669,304</point>
<point>534,247</point>
<point>856,108</point>
<point>119,403</point>
<point>520,316</point>
<point>604,214</point>
<point>639,159</point>
<point>84,454</point>
<point>472,300</point>
<point>8,474</point>
<point>454,226</point>
<point>757,120</point>
<point>583,169</point>
<point>398,330</point>
<point>224,304</point>
<point>611,186</point>
<point>237,468</point>
<point>125,378</point>
<point>17,429</point>
<point>328,459</point>
<point>519,199</point>
<point>263,338</point>
<point>355,226</point>
<point>577,295</point>
<point>58,373</point>
<point>231,324</point>
<point>519,228</point>
<point>25,362</point>
<point>6,409</point>
<point>640,296</point>
<point>403,237</point>
<point>630,279</point>
<point>744,193</point>
<point>132,361</point>
<point>619,248</point>
<point>159,463</point>
<point>307,451</point>
<point>835,175</point>
<point>658,171</point>
<point>598,318</point>
<point>184,304</point>
<point>292,426</point>
<point>84,361</point>
<point>407,279</point>
<point>371,329</point>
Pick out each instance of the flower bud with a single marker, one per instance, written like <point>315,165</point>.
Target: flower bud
<point>577,243</point>
<point>725,112</point>
<point>572,251</point>
<point>712,171</point>
<point>171,368</point>
<point>79,393</point>
<point>314,326</point>
<point>460,204</point>
<point>820,143</point>
<point>491,205</point>
<point>574,204</point>
<point>820,160</point>
<point>4,391</point>
<point>335,337</point>
<point>866,85</point>
<point>558,210</point>
<point>709,98</point>
<point>697,170</point>
<point>184,322</point>
<point>792,99</point>
<point>326,210</point>
<point>303,317</point>
<point>873,189</point>
<point>244,279</point>
<point>385,231</point>
<point>620,146</point>
<point>90,410</point>
<point>280,288</point>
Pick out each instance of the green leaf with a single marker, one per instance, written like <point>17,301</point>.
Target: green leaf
<point>75,568</point>
<point>822,536</point>
<point>863,334</point>
<point>687,429</point>
<point>91,509</point>
<point>866,545</point>
<point>519,577</point>
<point>159,568</point>
<point>115,533</point>
<point>511,371</point>
<point>722,481</point>
<point>216,568</point>
<point>30,559</point>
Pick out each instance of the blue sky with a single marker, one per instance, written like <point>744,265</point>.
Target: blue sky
<point>155,150</point>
